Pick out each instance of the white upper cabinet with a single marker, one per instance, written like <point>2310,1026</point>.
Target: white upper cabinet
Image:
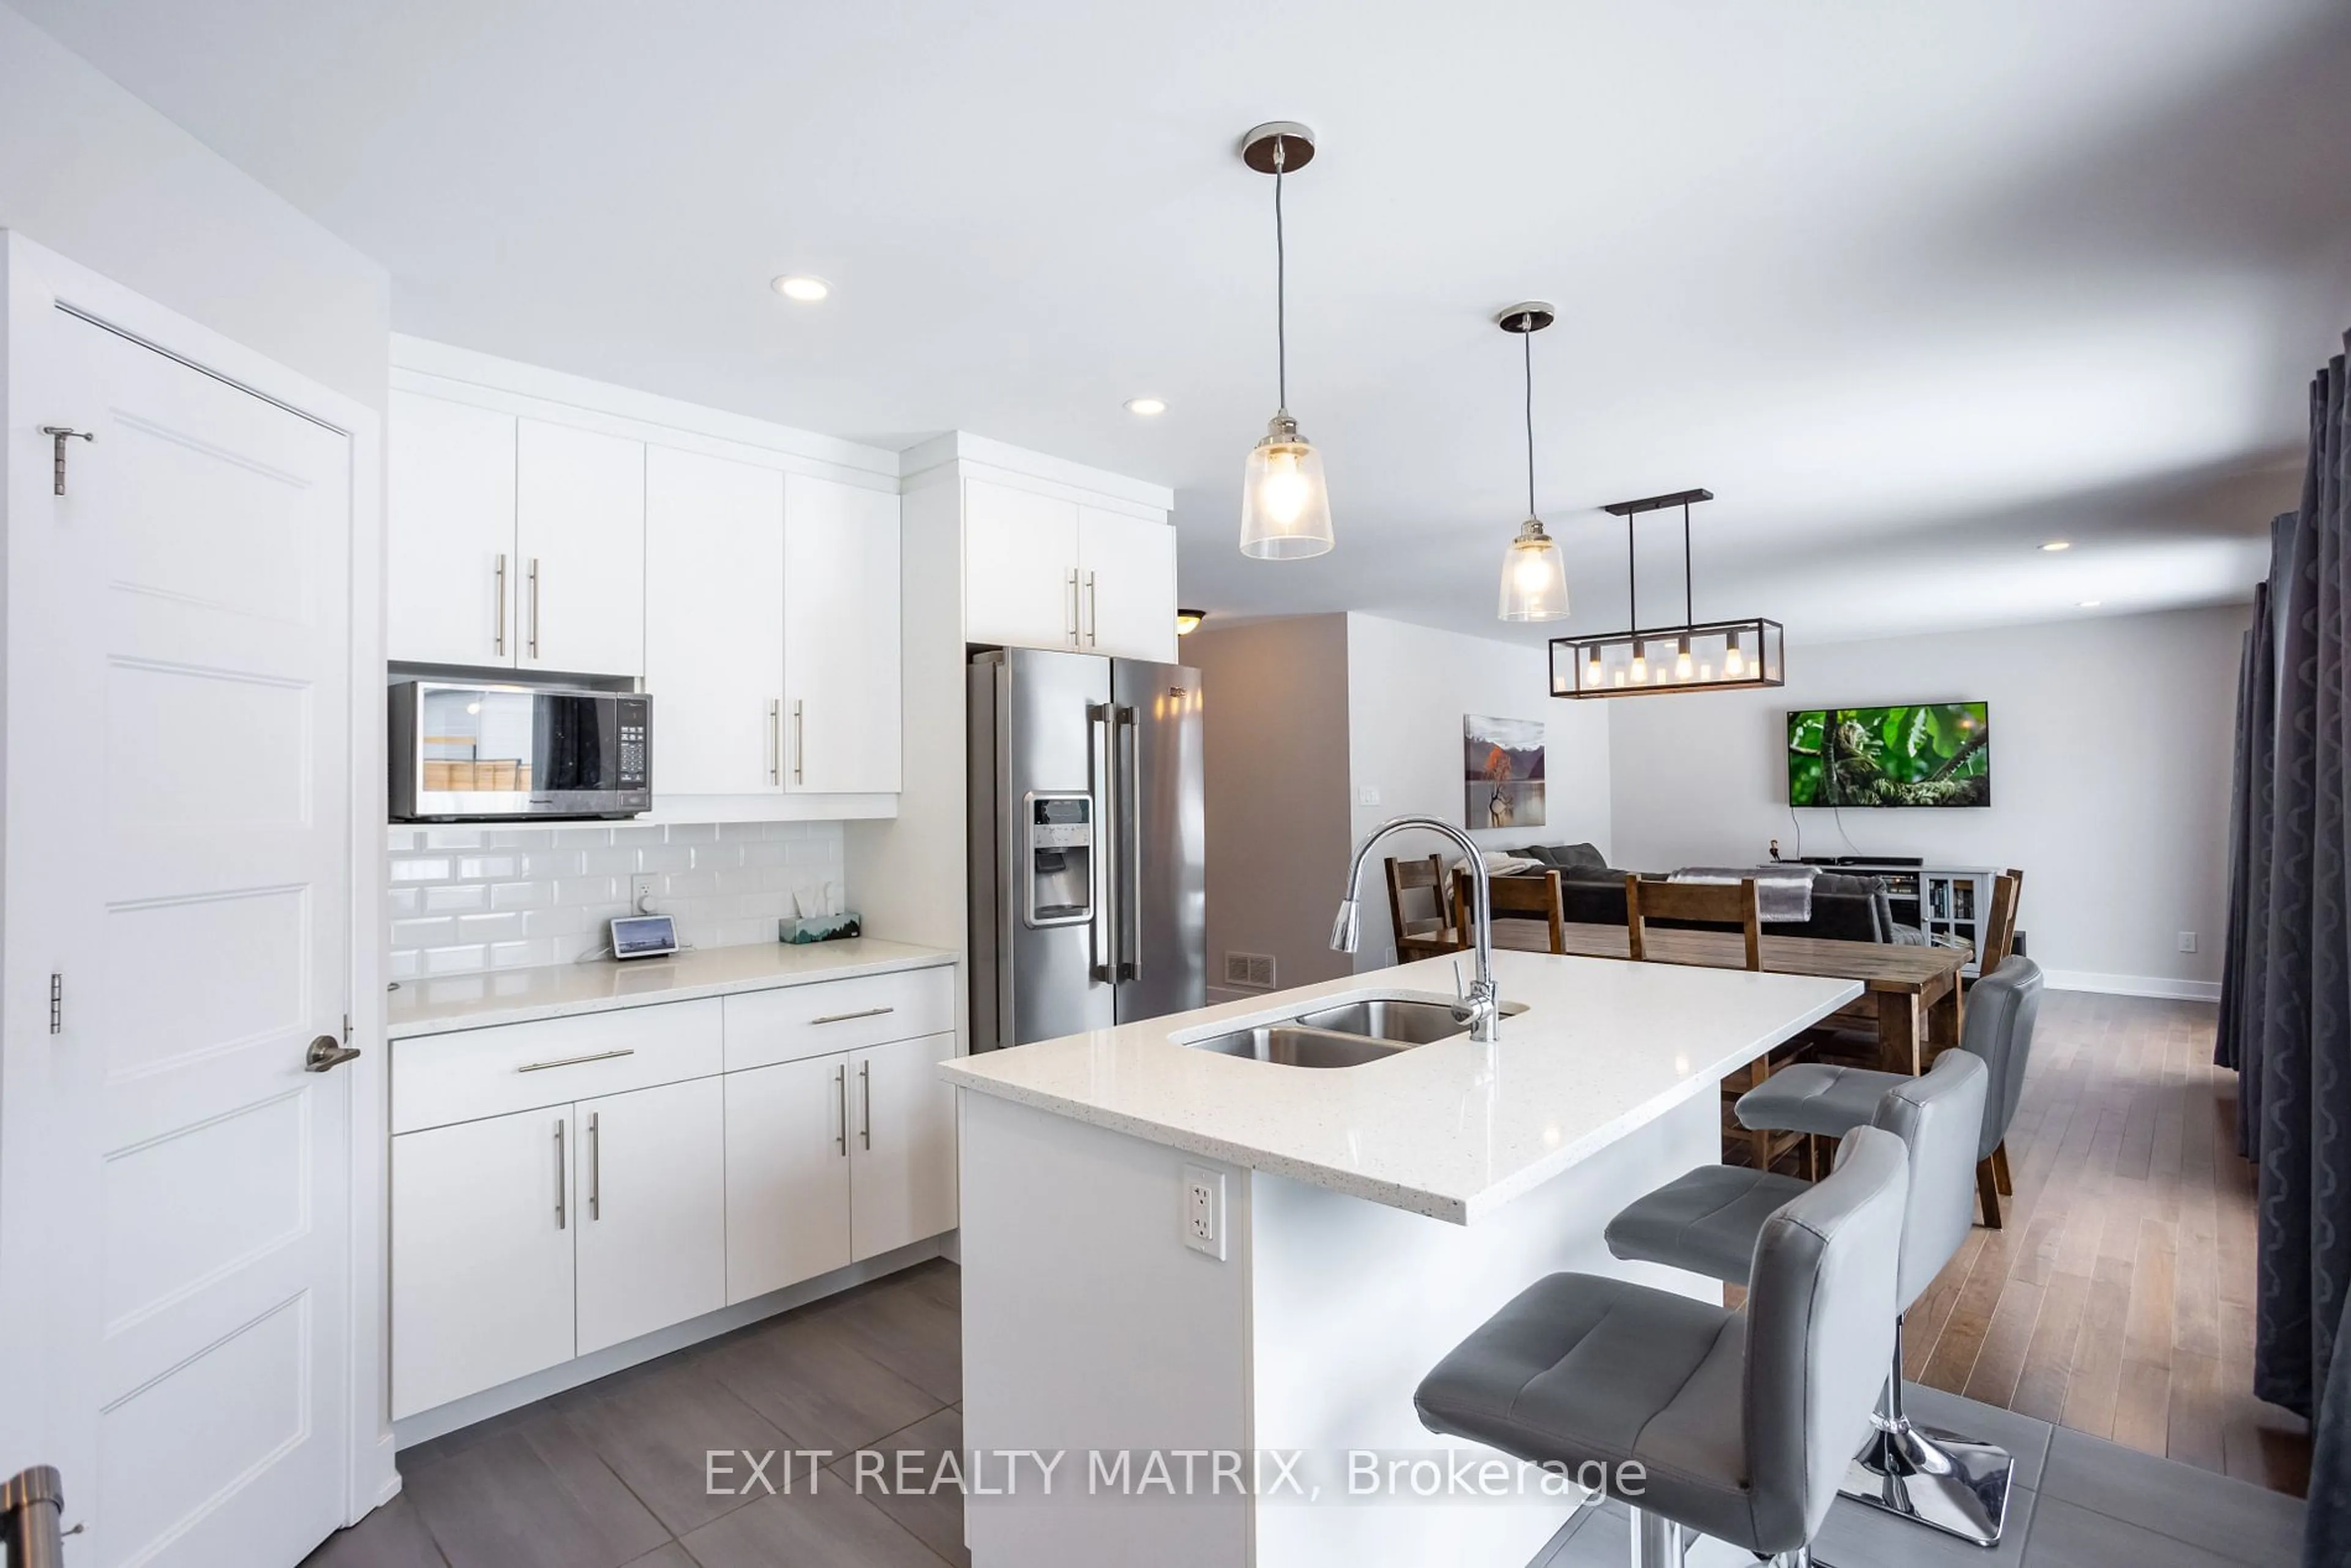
<point>714,623</point>
<point>840,596</point>
<point>450,472</point>
<point>1020,567</point>
<point>1126,585</point>
<point>1044,573</point>
<point>580,535</point>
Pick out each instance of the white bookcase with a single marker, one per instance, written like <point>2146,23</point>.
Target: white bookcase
<point>1951,904</point>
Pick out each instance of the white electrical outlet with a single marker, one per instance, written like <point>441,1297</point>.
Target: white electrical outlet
<point>641,888</point>
<point>1204,1212</point>
<point>2188,941</point>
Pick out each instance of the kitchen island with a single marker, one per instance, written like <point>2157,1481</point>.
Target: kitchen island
<point>1213,1400</point>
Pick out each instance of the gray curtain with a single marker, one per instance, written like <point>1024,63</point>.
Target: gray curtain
<point>2326,1529</point>
<point>2286,992</point>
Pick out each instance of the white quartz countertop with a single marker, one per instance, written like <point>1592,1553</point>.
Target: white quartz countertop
<point>1453,1129</point>
<point>452,1002</point>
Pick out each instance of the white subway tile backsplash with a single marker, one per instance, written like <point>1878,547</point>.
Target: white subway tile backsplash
<point>469,900</point>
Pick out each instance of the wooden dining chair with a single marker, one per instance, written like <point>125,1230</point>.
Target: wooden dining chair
<point>1516,897</point>
<point>1721,904</point>
<point>2000,928</point>
<point>1435,935</point>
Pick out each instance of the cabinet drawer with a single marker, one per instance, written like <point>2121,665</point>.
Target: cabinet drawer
<point>442,1078</point>
<point>797,1021</point>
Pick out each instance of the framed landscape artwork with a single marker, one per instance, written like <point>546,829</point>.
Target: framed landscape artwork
<point>1503,772</point>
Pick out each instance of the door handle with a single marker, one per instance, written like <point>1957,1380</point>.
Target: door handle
<point>840,1087</point>
<point>575,1060</point>
<point>799,742</point>
<point>327,1053</point>
<point>1102,930</point>
<point>1127,764</point>
<point>1073,607</point>
<point>595,1165</point>
<point>498,575</point>
<point>776,741</point>
<point>1093,614</point>
<point>862,1013</point>
<point>865,1089</point>
<point>560,1177</point>
<point>534,606</point>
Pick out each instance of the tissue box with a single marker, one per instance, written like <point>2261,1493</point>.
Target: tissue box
<point>816,927</point>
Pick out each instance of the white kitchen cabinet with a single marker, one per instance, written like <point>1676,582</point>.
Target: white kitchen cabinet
<point>482,1218</point>
<point>580,537</point>
<point>1126,583</point>
<point>841,597</point>
<point>451,574</point>
<point>1020,567</point>
<point>788,1174</point>
<point>714,623</point>
<point>650,1180</point>
<point>902,1154</point>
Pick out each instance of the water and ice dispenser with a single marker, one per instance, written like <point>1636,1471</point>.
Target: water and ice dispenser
<point>1057,861</point>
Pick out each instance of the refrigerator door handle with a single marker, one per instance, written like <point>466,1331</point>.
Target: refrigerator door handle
<point>1128,830</point>
<point>1102,931</point>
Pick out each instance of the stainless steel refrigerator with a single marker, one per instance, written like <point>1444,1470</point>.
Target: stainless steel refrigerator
<point>1089,902</point>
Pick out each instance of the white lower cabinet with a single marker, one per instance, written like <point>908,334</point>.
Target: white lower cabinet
<point>481,1255</point>
<point>902,1181</point>
<point>786,1174</point>
<point>651,1185</point>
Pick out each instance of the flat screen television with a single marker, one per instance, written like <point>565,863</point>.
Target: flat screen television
<point>1919,753</point>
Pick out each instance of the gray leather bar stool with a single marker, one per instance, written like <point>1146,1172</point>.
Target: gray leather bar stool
<point>1740,1420</point>
<point>1705,1222</point>
<point>1817,1097</point>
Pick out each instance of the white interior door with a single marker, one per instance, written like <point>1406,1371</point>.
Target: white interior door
<point>841,637</point>
<point>649,1168</point>
<point>714,623</point>
<point>902,1153</point>
<point>178,777</point>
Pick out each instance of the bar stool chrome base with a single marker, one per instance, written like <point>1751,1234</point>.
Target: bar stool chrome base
<point>1659,1543</point>
<point>1942,1480</point>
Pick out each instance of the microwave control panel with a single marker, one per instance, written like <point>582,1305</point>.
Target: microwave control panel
<point>631,759</point>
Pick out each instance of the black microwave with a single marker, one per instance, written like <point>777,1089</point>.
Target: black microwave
<point>465,752</point>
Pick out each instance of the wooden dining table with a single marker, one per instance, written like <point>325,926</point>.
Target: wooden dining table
<point>1912,993</point>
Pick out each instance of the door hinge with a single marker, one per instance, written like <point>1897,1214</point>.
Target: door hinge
<point>61,434</point>
<point>57,1003</point>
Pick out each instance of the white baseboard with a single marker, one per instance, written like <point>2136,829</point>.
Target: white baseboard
<point>2158,986</point>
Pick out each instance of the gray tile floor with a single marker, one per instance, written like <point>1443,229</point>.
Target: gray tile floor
<point>612,1475</point>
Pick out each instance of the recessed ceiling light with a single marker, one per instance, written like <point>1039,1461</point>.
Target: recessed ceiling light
<point>1147,406</point>
<point>2058,545</point>
<point>2092,603</point>
<point>802,289</point>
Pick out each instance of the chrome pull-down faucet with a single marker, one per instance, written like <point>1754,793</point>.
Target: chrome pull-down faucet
<point>1482,1009</point>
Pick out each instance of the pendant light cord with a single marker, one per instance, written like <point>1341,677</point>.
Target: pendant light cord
<point>1526,341</point>
<point>1280,286</point>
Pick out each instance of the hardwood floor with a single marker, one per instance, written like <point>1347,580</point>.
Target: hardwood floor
<point>2118,1299</point>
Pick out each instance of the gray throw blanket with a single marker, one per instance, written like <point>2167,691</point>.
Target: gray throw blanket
<point>1783,894</point>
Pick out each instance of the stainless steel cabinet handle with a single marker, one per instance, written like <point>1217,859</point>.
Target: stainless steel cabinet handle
<point>499,642</point>
<point>534,606</point>
<point>776,741</point>
<point>865,1087</point>
<point>561,1174</point>
<point>1073,607</point>
<point>799,742</point>
<point>575,1060</point>
<point>595,1165</point>
<point>327,1053</point>
<point>1093,614</point>
<point>840,1087</point>
<point>844,1017</point>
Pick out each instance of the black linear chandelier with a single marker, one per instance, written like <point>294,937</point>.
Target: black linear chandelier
<point>1693,656</point>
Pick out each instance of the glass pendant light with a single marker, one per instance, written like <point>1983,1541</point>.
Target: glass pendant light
<point>1285,505</point>
<point>1534,573</point>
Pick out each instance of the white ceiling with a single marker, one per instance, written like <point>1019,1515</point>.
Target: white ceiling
<point>1911,287</point>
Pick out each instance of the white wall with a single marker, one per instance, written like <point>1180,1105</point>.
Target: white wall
<point>1409,688</point>
<point>2111,753</point>
<point>1275,779</point>
<point>96,175</point>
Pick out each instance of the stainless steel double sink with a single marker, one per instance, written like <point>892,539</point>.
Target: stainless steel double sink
<point>1344,1033</point>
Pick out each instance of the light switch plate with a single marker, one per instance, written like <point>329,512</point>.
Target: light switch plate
<point>1204,1212</point>
<point>1367,794</point>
